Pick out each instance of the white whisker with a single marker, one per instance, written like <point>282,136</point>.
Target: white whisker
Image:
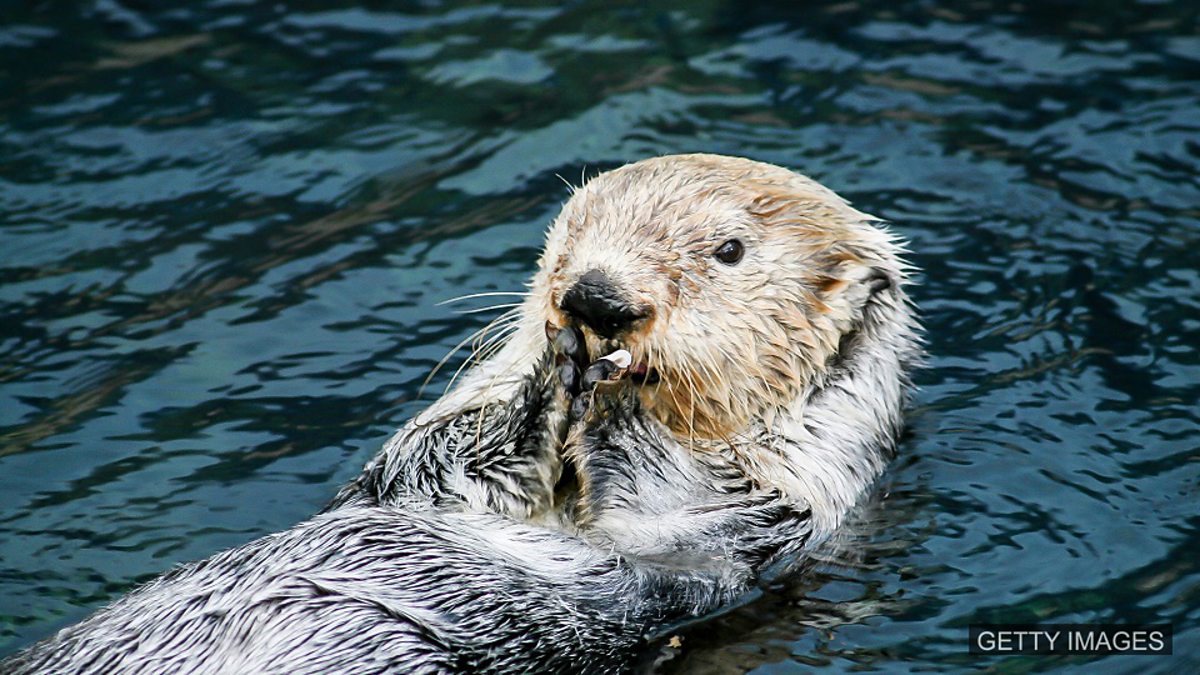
<point>496,341</point>
<point>488,308</point>
<point>476,335</point>
<point>489,294</point>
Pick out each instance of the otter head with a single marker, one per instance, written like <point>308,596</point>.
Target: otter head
<point>733,283</point>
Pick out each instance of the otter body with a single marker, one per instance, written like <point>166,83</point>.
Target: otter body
<point>549,512</point>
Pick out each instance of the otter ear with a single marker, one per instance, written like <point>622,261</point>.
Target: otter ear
<point>863,283</point>
<point>877,281</point>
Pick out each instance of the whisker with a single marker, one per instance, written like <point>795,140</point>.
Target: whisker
<point>497,340</point>
<point>442,362</point>
<point>489,294</point>
<point>501,320</point>
<point>498,323</point>
<point>488,308</point>
<point>483,348</point>
<point>650,364</point>
<point>566,182</point>
<point>506,371</point>
<point>692,411</point>
<point>478,334</point>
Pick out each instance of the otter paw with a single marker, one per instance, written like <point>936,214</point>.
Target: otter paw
<point>569,350</point>
<point>580,380</point>
<point>600,386</point>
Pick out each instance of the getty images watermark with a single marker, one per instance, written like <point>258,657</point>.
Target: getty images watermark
<point>1070,638</point>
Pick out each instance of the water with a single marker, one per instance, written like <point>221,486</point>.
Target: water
<point>226,226</point>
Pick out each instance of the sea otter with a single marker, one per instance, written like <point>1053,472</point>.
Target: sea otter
<point>554,508</point>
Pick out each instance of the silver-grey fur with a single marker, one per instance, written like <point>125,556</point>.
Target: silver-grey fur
<point>497,533</point>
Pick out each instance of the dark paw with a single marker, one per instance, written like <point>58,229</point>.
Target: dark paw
<point>570,357</point>
<point>578,377</point>
<point>571,367</point>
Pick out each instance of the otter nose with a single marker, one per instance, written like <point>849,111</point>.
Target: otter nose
<point>596,301</point>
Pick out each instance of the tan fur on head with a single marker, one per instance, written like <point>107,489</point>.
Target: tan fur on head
<point>732,344</point>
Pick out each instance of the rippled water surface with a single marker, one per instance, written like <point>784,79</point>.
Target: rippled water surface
<point>225,228</point>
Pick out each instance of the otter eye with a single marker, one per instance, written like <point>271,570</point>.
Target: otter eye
<point>730,252</point>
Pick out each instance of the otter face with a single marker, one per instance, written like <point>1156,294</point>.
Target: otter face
<point>731,282</point>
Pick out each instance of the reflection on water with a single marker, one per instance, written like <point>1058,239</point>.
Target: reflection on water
<point>226,227</point>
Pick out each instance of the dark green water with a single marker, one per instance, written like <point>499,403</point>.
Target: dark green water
<point>225,226</point>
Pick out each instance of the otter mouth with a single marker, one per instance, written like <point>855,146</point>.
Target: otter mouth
<point>638,372</point>
<point>641,373</point>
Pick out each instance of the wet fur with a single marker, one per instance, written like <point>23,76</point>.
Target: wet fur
<point>491,534</point>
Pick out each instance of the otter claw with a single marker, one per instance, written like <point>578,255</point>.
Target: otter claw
<point>569,342</point>
<point>569,351</point>
<point>568,376</point>
<point>600,371</point>
<point>581,405</point>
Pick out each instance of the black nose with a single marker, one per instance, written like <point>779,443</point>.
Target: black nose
<point>596,301</point>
